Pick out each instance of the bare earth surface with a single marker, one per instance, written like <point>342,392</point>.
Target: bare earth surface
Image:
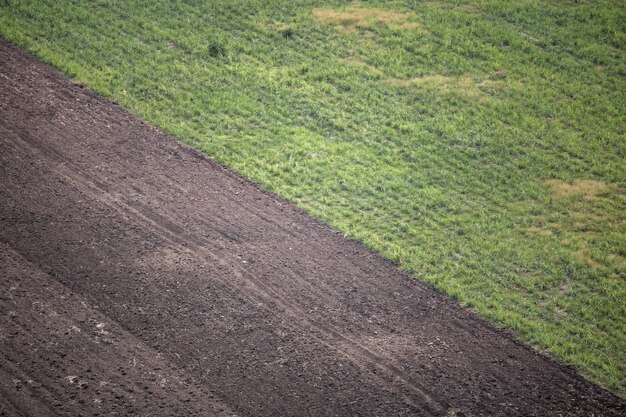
<point>138,277</point>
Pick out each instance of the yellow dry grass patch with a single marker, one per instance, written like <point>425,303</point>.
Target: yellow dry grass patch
<point>581,244</point>
<point>578,245</point>
<point>618,260</point>
<point>465,85</point>
<point>577,188</point>
<point>364,18</point>
<point>581,221</point>
<point>583,256</point>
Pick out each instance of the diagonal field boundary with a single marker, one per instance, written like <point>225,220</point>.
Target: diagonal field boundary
<point>140,277</point>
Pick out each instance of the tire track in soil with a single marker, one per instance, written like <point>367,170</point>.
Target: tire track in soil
<point>227,285</point>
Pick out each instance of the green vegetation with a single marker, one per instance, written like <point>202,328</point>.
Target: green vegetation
<point>481,147</point>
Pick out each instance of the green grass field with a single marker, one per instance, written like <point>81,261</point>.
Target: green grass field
<point>480,145</point>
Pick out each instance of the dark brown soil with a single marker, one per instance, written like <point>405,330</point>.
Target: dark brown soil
<point>139,277</point>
